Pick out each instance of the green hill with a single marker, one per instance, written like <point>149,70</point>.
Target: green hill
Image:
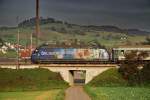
<point>58,31</point>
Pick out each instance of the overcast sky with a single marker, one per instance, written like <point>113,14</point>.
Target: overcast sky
<point>122,13</point>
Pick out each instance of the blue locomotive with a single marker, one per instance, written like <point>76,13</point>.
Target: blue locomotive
<point>46,54</point>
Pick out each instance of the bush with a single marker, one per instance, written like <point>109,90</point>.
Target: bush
<point>145,74</point>
<point>130,68</point>
<point>130,72</point>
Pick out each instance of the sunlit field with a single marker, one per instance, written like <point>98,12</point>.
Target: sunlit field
<point>118,93</point>
<point>32,95</point>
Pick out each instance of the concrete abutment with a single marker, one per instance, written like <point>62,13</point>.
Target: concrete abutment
<point>91,72</point>
<point>64,70</point>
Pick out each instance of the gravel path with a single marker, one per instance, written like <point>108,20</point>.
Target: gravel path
<point>76,93</point>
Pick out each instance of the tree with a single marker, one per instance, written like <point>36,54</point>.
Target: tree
<point>95,44</point>
<point>147,41</point>
<point>63,30</point>
<point>130,69</point>
<point>53,28</point>
<point>145,73</point>
<point>1,42</point>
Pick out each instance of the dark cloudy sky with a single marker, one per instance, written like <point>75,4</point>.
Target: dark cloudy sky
<point>122,13</point>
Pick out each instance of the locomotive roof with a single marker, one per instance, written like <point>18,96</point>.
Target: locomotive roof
<point>70,47</point>
<point>54,46</point>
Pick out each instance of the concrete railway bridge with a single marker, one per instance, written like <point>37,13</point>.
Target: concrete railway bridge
<point>71,72</point>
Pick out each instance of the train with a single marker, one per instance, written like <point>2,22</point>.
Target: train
<point>47,54</point>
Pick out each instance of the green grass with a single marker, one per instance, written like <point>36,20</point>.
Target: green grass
<point>110,77</point>
<point>118,93</point>
<point>32,95</point>
<point>31,84</point>
<point>60,95</point>
<point>9,54</point>
<point>110,85</point>
<point>30,79</point>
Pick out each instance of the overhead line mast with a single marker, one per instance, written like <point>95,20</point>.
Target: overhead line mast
<point>37,23</point>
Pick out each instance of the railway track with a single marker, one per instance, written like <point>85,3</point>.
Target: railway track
<point>28,62</point>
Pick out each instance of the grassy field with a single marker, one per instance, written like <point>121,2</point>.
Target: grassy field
<point>118,93</point>
<point>31,84</point>
<point>108,39</point>
<point>31,95</point>
<point>110,85</point>
<point>30,79</point>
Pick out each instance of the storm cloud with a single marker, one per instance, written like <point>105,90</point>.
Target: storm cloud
<point>122,13</point>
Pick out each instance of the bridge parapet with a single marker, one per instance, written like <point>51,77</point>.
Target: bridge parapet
<point>78,65</point>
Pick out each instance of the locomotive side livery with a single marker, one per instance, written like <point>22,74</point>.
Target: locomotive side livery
<point>44,54</point>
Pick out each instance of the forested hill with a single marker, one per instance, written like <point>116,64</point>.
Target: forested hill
<point>32,21</point>
<point>107,28</point>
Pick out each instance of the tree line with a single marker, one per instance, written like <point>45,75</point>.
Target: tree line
<point>32,21</point>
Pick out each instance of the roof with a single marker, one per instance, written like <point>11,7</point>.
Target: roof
<point>134,47</point>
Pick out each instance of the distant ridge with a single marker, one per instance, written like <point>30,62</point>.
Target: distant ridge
<point>107,28</point>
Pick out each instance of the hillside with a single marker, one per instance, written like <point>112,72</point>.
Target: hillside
<point>58,31</point>
<point>30,80</point>
<point>110,78</point>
